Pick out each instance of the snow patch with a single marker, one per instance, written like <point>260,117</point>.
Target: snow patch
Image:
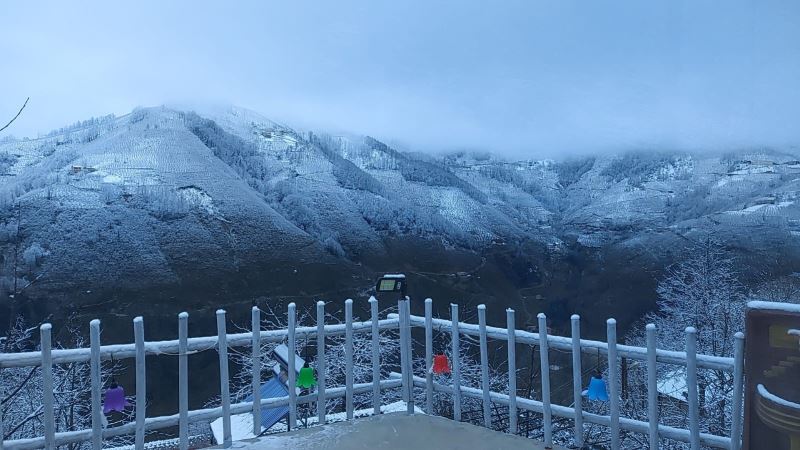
<point>242,424</point>
<point>113,179</point>
<point>774,306</point>
<point>198,198</point>
<point>762,391</point>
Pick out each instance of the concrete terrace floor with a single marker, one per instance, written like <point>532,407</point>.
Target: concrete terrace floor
<point>393,431</point>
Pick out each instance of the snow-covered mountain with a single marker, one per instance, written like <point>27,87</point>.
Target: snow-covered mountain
<point>162,197</point>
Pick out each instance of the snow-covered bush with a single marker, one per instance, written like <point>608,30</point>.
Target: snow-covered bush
<point>163,202</point>
<point>571,170</point>
<point>34,254</point>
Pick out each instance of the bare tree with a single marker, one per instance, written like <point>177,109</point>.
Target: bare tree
<point>702,291</point>
<point>783,289</point>
<point>15,117</point>
<point>21,388</point>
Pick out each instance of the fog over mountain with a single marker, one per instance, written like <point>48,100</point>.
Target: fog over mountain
<point>528,79</point>
<point>174,209</point>
<point>553,155</point>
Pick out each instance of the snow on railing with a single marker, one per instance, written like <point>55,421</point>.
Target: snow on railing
<point>404,321</point>
<point>650,354</point>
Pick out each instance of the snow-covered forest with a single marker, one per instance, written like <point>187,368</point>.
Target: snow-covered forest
<point>182,208</point>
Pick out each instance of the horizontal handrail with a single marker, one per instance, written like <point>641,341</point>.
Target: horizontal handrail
<point>565,343</point>
<point>207,414</point>
<point>196,344</point>
<point>536,406</point>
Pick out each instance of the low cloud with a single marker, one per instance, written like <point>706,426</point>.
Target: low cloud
<point>524,79</point>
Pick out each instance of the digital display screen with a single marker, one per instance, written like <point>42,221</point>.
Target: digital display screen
<point>387,285</point>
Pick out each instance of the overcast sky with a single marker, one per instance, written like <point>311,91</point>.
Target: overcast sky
<point>523,78</point>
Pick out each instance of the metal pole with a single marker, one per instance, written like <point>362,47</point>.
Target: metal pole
<point>348,355</point>
<point>255,375</point>
<point>321,363</point>
<point>545,369</point>
<point>141,381</point>
<point>292,369</point>
<point>429,356</point>
<point>738,385</point>
<point>183,381</point>
<point>487,402</point>
<point>2,432</point>
<point>456,364</point>
<point>402,330</point>
<point>613,376</point>
<point>95,369</point>
<point>45,332</point>
<point>577,379</point>
<point>224,386</point>
<point>376,356</point>
<point>652,385</point>
<point>512,371</point>
<point>409,358</point>
<point>691,385</point>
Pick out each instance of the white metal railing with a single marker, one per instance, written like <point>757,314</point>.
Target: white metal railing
<point>404,321</point>
<point>651,354</point>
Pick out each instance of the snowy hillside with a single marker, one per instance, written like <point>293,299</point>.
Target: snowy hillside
<point>177,197</point>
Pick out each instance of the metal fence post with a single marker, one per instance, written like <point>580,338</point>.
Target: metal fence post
<point>738,386</point>
<point>291,382</point>
<point>691,385</point>
<point>183,381</point>
<point>577,378</point>
<point>613,382</point>
<point>456,363</point>
<point>95,371</point>
<point>409,370</point>
<point>652,386</point>
<point>48,400</point>
<point>512,371</point>
<point>224,386</point>
<point>321,406</point>
<point>545,369</point>
<point>255,361</point>
<point>141,381</point>
<point>348,355</point>
<point>402,332</point>
<point>376,356</point>
<point>487,401</point>
<point>429,356</point>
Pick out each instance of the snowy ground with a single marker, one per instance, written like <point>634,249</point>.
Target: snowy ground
<point>393,431</point>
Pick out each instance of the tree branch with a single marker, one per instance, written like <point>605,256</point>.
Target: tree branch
<point>15,117</point>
